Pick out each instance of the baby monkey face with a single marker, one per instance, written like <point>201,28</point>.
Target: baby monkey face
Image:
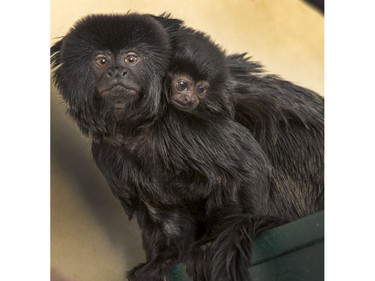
<point>186,93</point>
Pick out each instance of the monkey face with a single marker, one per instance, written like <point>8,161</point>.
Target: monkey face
<point>186,93</point>
<point>116,78</point>
<point>109,70</point>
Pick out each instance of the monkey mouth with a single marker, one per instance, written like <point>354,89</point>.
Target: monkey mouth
<point>118,89</point>
<point>187,108</point>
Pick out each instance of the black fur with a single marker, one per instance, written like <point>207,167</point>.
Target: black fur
<point>288,122</point>
<point>198,183</point>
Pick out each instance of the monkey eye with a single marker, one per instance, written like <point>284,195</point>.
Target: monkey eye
<point>181,85</point>
<point>101,60</point>
<point>131,58</point>
<point>201,89</point>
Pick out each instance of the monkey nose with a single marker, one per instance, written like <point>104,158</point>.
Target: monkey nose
<point>116,72</point>
<point>186,100</point>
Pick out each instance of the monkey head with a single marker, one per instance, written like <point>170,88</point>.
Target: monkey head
<point>109,70</point>
<point>198,76</point>
<point>186,92</point>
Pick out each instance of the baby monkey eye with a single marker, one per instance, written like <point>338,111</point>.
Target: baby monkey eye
<point>201,90</point>
<point>131,58</point>
<point>182,85</point>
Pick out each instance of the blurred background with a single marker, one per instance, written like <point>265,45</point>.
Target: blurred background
<point>91,237</point>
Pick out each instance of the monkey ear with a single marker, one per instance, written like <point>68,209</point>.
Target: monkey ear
<point>170,24</point>
<point>55,53</point>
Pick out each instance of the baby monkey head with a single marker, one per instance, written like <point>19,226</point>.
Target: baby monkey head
<point>198,75</point>
<point>186,92</point>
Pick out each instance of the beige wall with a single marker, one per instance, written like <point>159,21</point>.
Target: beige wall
<point>91,238</point>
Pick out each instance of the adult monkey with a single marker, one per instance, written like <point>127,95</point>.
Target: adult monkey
<point>112,86</point>
<point>177,178</point>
